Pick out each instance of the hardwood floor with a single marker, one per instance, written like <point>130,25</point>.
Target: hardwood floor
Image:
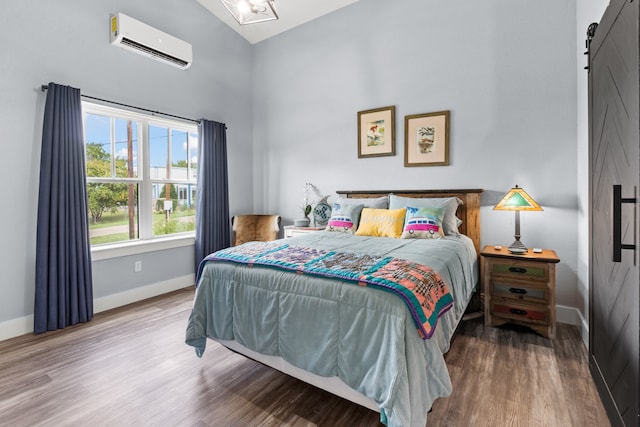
<point>130,366</point>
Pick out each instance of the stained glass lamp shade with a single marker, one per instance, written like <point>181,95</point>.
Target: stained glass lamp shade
<point>517,200</point>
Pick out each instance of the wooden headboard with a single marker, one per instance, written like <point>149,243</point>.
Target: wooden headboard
<point>468,211</point>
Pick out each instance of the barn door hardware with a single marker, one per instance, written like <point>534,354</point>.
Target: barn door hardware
<point>618,246</point>
<point>591,31</point>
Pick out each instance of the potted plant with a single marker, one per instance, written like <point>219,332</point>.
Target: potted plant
<point>303,222</point>
<point>306,208</point>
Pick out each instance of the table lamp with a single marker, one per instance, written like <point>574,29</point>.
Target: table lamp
<point>517,200</point>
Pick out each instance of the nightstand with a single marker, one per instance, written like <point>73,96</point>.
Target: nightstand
<point>520,289</point>
<point>292,230</point>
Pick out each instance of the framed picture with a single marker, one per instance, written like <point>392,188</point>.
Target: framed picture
<point>377,132</point>
<point>426,139</point>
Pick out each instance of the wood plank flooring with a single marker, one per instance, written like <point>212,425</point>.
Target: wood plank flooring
<point>130,367</point>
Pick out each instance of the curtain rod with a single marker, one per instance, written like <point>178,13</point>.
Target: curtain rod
<point>45,87</point>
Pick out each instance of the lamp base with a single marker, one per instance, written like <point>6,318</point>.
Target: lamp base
<point>518,247</point>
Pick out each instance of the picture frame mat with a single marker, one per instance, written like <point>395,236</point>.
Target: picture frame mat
<point>440,154</point>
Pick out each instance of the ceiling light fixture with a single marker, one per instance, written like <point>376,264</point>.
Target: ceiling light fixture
<point>251,11</point>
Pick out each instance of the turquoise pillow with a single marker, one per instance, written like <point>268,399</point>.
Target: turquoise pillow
<point>423,223</point>
<point>344,218</point>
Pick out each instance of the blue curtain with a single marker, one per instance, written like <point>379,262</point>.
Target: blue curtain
<point>63,288</point>
<point>212,196</point>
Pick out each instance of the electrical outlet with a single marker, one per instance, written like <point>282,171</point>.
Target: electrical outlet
<point>137,267</point>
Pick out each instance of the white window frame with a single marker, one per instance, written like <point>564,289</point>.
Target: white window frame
<point>146,241</point>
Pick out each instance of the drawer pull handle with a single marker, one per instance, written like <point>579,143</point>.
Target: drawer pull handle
<point>518,311</point>
<point>517,270</point>
<point>518,291</point>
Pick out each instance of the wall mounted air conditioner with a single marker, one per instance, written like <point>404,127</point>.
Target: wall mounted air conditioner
<point>136,36</point>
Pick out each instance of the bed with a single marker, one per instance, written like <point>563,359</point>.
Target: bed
<point>359,342</point>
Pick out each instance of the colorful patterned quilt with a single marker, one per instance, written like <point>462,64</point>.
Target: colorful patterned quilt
<point>420,288</point>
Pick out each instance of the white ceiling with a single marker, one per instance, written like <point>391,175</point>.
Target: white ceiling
<point>291,14</point>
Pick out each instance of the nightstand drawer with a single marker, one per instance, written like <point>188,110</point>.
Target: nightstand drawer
<point>292,230</point>
<point>526,270</point>
<point>523,291</point>
<point>512,310</point>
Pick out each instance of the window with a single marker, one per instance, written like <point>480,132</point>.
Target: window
<point>141,175</point>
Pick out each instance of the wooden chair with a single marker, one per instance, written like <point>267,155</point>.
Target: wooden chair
<point>251,228</point>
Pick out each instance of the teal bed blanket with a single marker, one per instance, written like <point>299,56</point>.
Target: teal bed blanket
<point>363,335</point>
<point>420,288</point>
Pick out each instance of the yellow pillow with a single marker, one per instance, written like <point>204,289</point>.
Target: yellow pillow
<point>381,222</point>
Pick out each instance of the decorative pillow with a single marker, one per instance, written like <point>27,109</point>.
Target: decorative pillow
<point>449,205</point>
<point>423,223</point>
<point>344,218</point>
<point>376,203</point>
<point>381,222</point>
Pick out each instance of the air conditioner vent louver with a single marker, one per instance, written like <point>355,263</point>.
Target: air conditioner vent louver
<point>135,45</point>
<point>133,35</point>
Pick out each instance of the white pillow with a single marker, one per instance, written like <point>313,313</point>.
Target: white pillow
<point>448,204</point>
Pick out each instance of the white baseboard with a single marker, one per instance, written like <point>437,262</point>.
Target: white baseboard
<point>16,327</point>
<point>138,294</point>
<point>572,316</point>
<point>24,325</point>
<point>584,330</point>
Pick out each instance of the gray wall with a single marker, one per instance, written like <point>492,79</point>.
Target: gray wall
<point>505,69</point>
<point>67,42</point>
<point>588,11</point>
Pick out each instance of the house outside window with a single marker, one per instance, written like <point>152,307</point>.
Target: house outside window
<point>141,175</point>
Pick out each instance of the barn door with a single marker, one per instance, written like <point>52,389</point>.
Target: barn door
<point>614,140</point>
